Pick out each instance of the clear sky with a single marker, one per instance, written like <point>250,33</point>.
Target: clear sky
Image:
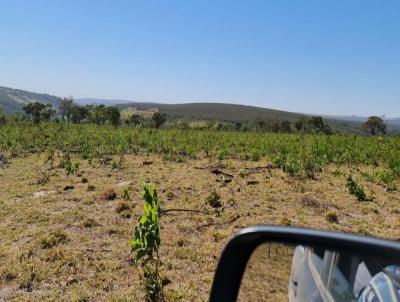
<point>312,56</point>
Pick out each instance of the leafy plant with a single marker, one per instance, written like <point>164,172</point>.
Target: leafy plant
<point>145,244</point>
<point>214,199</point>
<point>332,217</point>
<point>68,165</point>
<point>126,194</point>
<point>355,189</point>
<point>72,168</point>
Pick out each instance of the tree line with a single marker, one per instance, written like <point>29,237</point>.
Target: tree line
<point>70,112</point>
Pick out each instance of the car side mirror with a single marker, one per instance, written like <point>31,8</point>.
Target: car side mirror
<point>363,259</point>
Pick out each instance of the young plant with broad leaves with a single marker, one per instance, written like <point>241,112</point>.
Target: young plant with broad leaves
<point>145,244</point>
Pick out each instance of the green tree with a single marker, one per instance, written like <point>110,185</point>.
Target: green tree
<point>375,125</point>
<point>136,119</point>
<point>98,114</point>
<point>260,125</point>
<point>65,107</point>
<point>158,119</point>
<point>285,126</point>
<point>301,124</point>
<point>79,113</point>
<point>48,112</point>
<point>35,111</point>
<point>317,124</point>
<point>114,116</point>
<point>238,126</point>
<point>2,116</point>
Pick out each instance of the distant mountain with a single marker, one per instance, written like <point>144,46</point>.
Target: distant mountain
<point>13,100</point>
<point>392,123</point>
<point>231,112</point>
<point>97,101</point>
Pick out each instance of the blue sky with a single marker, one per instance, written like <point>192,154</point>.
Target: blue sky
<point>326,57</point>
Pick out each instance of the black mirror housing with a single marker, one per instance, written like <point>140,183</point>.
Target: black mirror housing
<point>238,251</point>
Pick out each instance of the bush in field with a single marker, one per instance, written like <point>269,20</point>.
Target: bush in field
<point>214,199</point>
<point>355,189</point>
<point>109,194</point>
<point>145,244</point>
<point>332,217</point>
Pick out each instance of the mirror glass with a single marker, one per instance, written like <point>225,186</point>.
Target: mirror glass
<point>278,272</point>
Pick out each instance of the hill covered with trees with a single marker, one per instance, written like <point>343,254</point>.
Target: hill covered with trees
<point>14,100</point>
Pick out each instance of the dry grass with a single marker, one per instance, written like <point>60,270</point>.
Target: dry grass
<point>267,275</point>
<point>93,261</point>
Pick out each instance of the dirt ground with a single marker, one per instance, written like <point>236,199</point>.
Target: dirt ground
<point>64,238</point>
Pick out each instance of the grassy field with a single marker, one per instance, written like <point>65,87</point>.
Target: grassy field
<point>64,233</point>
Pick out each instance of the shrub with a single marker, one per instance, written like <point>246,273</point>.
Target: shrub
<point>145,244</point>
<point>53,239</point>
<point>91,188</point>
<point>109,194</point>
<point>214,199</point>
<point>355,189</point>
<point>89,223</point>
<point>332,217</point>
<point>126,195</point>
<point>126,214</point>
<point>122,206</point>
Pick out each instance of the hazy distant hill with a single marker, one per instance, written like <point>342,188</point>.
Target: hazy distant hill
<point>97,101</point>
<point>13,100</point>
<point>231,112</point>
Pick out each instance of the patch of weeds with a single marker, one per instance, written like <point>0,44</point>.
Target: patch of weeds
<point>337,173</point>
<point>91,188</point>
<point>54,255</point>
<point>386,178</point>
<point>363,230</point>
<point>219,236</point>
<point>175,295</point>
<point>109,194</point>
<point>8,275</point>
<point>72,168</point>
<point>367,209</point>
<point>332,217</point>
<point>255,155</point>
<point>221,154</point>
<point>126,194</point>
<point>214,199</point>
<point>89,223</point>
<point>310,202</point>
<point>122,206</point>
<point>53,239</point>
<point>43,178</point>
<point>125,214</point>
<point>285,221</point>
<point>180,243</point>
<point>355,189</point>
<point>170,195</point>
<point>113,231</point>
<point>394,165</point>
<point>118,164</point>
